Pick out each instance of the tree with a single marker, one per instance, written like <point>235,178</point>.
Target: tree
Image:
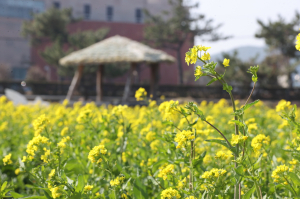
<point>171,29</point>
<point>52,26</point>
<point>237,72</point>
<point>280,37</point>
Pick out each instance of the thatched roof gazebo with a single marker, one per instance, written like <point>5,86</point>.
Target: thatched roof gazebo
<point>115,49</point>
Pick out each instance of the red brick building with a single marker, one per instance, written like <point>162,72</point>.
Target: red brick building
<point>168,72</point>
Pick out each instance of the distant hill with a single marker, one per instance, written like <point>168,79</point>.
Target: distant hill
<point>244,53</point>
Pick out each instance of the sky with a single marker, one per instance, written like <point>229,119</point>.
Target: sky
<point>239,19</point>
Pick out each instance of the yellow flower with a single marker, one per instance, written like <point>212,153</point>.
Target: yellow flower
<point>226,62</point>
<point>257,141</point>
<point>96,153</point>
<point>182,137</point>
<point>198,71</point>
<point>7,160</point>
<point>181,183</point>
<point>140,94</point>
<point>55,192</point>
<point>17,171</point>
<point>88,187</point>
<point>205,57</point>
<point>236,139</point>
<point>298,42</point>
<point>169,169</point>
<point>52,173</point>
<point>117,181</point>
<point>169,194</point>
<point>213,173</point>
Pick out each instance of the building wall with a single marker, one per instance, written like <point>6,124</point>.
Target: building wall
<point>122,10</point>
<point>14,49</point>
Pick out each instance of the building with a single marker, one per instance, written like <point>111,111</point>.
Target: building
<point>121,17</point>
<point>14,49</point>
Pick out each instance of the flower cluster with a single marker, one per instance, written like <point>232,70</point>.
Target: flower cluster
<point>280,174</point>
<point>282,105</point>
<point>170,193</point>
<point>213,173</point>
<point>140,94</point>
<point>7,159</point>
<point>181,183</point>
<point>88,187</point>
<point>117,181</point>
<point>168,108</point>
<point>33,147</point>
<point>236,139</point>
<point>182,137</point>
<point>192,55</point>
<point>164,172</point>
<point>39,124</point>
<point>222,155</point>
<point>95,155</point>
<point>298,42</point>
<point>257,142</point>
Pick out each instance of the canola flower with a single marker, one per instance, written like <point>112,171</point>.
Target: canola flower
<point>96,154</point>
<point>258,141</point>
<point>140,94</point>
<point>56,192</point>
<point>213,173</point>
<point>7,159</point>
<point>88,187</point>
<point>298,42</point>
<point>198,71</point>
<point>236,139</point>
<point>226,62</point>
<point>40,124</point>
<point>170,193</point>
<point>182,138</point>
<point>164,172</point>
<point>280,174</point>
<point>117,181</point>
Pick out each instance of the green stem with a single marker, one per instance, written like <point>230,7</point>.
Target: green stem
<point>290,185</point>
<point>219,133</point>
<point>250,93</point>
<point>258,191</point>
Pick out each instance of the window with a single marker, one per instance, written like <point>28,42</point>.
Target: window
<point>109,13</point>
<point>56,4</point>
<point>19,73</point>
<point>138,15</point>
<point>87,11</point>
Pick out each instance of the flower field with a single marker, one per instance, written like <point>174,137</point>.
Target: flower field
<point>143,152</point>
<point>166,151</point>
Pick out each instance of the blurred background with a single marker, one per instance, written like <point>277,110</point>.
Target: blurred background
<point>35,34</point>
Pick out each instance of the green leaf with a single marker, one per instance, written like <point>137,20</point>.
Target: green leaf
<point>80,184</point>
<point>139,190</point>
<point>256,164</point>
<point>224,143</point>
<point>294,178</point>
<point>239,170</point>
<point>249,105</point>
<point>16,195</point>
<point>240,124</point>
<point>249,193</point>
<point>211,81</point>
<point>3,186</point>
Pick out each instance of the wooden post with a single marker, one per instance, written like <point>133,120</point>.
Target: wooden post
<point>154,68</point>
<point>74,82</point>
<point>128,83</point>
<point>99,83</point>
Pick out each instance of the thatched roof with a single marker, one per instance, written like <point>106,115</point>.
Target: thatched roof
<point>116,49</point>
